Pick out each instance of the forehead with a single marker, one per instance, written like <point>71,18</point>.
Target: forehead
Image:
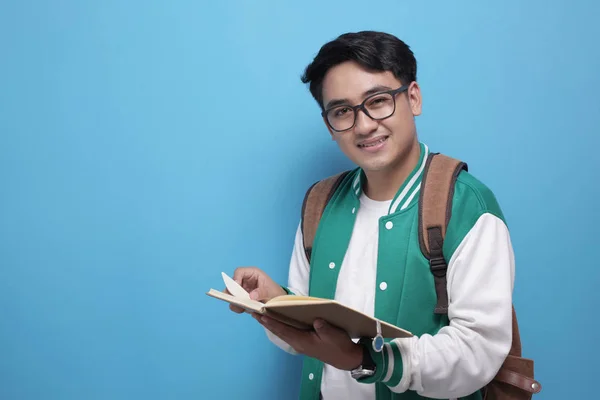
<point>350,81</point>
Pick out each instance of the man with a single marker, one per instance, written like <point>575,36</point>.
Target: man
<point>367,253</point>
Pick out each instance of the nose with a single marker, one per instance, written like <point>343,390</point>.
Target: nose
<point>364,124</point>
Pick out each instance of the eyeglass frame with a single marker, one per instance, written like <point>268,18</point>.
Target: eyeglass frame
<point>361,106</point>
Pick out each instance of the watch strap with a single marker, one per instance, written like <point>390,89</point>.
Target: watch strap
<point>367,361</point>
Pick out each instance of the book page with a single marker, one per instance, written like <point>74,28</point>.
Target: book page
<point>293,299</point>
<point>234,288</point>
<point>247,304</point>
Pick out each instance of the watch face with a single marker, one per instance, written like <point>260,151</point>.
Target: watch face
<point>378,343</point>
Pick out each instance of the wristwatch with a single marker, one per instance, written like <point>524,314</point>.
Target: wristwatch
<point>367,368</point>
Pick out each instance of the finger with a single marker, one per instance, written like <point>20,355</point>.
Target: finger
<point>302,341</point>
<point>329,333</point>
<point>242,273</point>
<point>285,332</point>
<point>233,307</point>
<point>236,309</point>
<point>259,294</point>
<point>257,317</point>
<point>238,275</point>
<point>247,278</point>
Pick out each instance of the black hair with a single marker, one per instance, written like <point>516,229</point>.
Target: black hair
<point>375,51</point>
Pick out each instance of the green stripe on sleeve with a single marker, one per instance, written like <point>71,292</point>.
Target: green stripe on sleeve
<point>288,291</point>
<point>398,367</point>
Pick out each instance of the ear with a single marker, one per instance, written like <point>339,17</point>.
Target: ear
<point>414,98</point>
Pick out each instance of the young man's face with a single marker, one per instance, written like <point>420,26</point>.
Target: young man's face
<point>372,145</point>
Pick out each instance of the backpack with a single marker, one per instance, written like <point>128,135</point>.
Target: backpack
<point>514,380</point>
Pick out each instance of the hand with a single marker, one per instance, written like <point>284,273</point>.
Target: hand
<point>256,282</point>
<point>327,343</point>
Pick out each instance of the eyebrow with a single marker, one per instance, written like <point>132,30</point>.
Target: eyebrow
<point>373,90</point>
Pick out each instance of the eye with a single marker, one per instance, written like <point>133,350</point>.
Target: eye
<point>340,112</point>
<point>379,101</point>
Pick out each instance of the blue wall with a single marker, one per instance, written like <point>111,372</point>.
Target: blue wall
<point>147,146</point>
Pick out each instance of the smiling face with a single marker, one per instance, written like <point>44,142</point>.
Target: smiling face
<point>372,145</point>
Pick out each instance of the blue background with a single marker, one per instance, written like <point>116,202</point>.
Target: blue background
<point>147,146</point>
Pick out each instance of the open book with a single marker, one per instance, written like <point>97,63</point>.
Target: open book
<point>301,311</point>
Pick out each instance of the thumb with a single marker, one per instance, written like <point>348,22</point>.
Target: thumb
<point>323,328</point>
<point>258,294</point>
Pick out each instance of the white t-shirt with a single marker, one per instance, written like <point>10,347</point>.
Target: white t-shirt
<point>356,289</point>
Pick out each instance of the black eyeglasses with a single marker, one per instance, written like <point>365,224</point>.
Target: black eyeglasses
<point>377,106</point>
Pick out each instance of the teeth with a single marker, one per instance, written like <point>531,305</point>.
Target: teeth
<point>374,144</point>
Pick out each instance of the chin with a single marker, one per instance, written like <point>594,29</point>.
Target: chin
<point>375,165</point>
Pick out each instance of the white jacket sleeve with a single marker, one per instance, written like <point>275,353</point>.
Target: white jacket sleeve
<point>464,356</point>
<point>299,272</point>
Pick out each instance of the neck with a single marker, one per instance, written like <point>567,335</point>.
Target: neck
<point>383,185</point>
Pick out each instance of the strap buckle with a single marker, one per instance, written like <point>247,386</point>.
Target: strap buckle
<point>438,266</point>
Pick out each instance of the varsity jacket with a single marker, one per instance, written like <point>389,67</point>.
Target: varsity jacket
<point>449,357</point>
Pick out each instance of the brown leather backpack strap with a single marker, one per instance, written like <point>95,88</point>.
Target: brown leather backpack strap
<point>515,348</point>
<point>515,379</point>
<point>315,201</point>
<point>435,209</point>
<point>518,380</point>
